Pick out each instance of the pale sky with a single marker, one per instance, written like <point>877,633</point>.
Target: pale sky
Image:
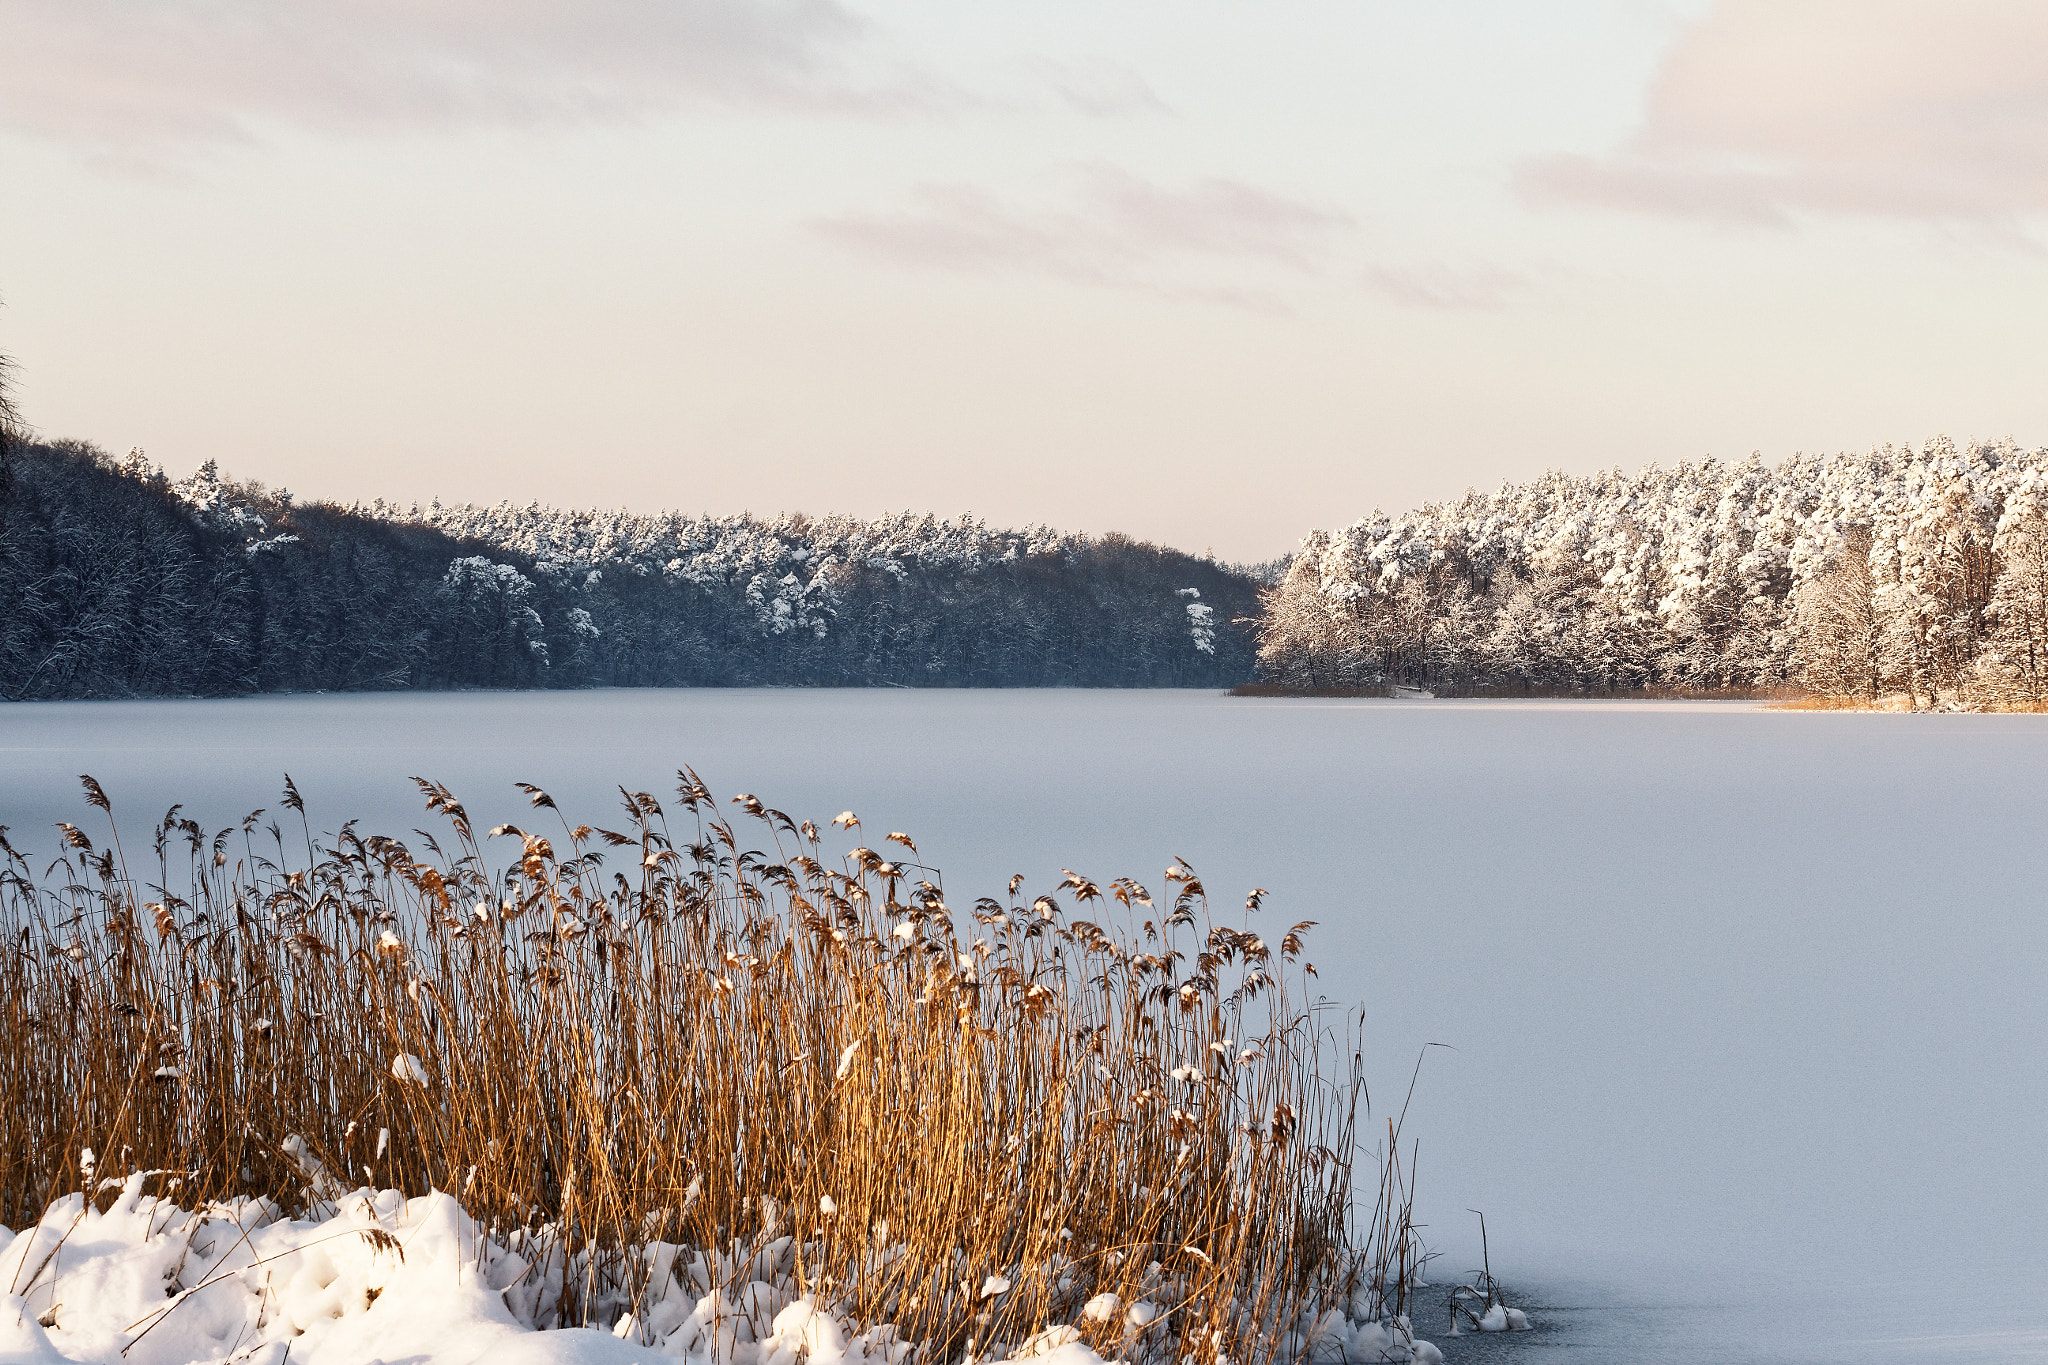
<point>1208,273</point>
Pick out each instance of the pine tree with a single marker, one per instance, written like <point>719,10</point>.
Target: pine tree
<point>10,427</point>
<point>2017,667</point>
<point>1844,641</point>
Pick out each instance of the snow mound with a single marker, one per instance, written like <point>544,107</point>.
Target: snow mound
<point>380,1277</point>
<point>1501,1318</point>
<point>375,1276</point>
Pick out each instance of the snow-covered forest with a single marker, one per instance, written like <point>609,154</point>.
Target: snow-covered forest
<point>123,582</point>
<point>1921,573</point>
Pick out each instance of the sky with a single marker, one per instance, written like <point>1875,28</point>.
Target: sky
<point>1209,273</point>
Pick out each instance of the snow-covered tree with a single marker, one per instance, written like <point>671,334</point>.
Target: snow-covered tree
<point>1843,642</point>
<point>1201,621</point>
<point>2015,668</point>
<point>494,619</point>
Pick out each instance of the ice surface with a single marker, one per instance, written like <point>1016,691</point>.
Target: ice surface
<point>1746,1005</point>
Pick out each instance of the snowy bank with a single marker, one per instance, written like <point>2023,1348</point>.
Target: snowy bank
<point>375,1276</point>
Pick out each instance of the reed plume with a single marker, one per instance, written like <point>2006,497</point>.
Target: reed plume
<point>702,1030</point>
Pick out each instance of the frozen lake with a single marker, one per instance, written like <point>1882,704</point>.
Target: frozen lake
<point>1749,1008</point>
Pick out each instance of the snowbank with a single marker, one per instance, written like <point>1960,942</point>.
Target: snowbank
<point>380,1277</point>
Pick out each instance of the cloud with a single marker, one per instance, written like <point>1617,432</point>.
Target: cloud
<point>1479,289</point>
<point>149,80</point>
<point>1119,231</point>
<point>1100,89</point>
<point>1888,108</point>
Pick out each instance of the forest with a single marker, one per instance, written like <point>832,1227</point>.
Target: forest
<point>1915,575</point>
<point>122,582</point>
<point>1907,576</point>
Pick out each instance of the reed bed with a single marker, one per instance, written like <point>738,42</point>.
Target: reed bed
<point>702,1029</point>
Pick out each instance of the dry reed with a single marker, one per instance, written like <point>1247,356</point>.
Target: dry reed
<point>1787,695</point>
<point>667,1035</point>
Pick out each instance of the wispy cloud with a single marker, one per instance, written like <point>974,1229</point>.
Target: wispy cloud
<point>1117,230</point>
<point>1446,287</point>
<point>1100,89</point>
<point>1891,108</point>
<point>148,80</point>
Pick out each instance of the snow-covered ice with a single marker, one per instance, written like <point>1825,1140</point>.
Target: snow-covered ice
<point>1744,1006</point>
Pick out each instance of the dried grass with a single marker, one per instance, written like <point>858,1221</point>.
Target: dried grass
<point>1507,692</point>
<point>700,1032</point>
<point>1900,701</point>
<point>1818,702</point>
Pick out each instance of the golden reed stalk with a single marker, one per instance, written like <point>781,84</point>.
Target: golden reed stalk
<point>704,1034</point>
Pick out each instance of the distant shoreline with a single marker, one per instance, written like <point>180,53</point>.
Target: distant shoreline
<point>1785,695</point>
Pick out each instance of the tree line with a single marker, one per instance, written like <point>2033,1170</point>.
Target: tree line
<point>1913,572</point>
<point>119,581</point>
